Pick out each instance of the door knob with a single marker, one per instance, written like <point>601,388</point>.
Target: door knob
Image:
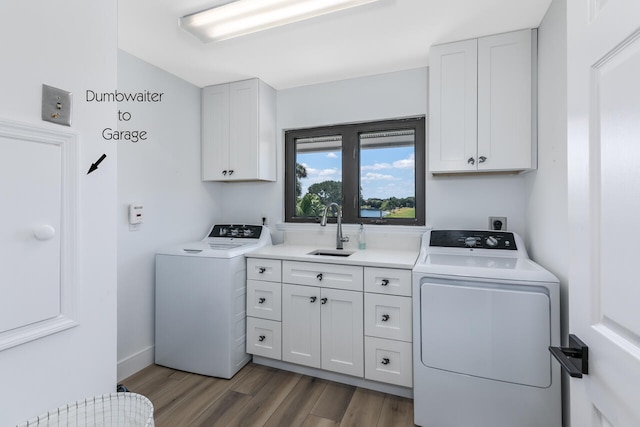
<point>573,359</point>
<point>44,232</point>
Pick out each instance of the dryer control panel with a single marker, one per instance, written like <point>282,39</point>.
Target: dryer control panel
<point>473,239</point>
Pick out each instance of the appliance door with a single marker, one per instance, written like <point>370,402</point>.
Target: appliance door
<point>490,330</point>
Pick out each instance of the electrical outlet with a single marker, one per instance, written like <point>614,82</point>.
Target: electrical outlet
<point>498,223</point>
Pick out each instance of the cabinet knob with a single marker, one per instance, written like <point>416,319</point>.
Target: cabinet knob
<point>261,300</point>
<point>262,270</point>
<point>319,277</point>
<point>324,300</point>
<point>385,361</point>
<point>482,159</point>
<point>224,173</point>
<point>313,299</point>
<point>230,172</point>
<point>385,317</point>
<point>471,161</point>
<point>385,282</point>
<point>261,338</point>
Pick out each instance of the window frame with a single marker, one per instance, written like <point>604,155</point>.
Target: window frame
<point>351,162</point>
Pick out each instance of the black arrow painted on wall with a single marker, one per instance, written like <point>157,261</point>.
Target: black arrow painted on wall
<point>94,166</point>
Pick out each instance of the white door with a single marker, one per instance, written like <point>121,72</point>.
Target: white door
<point>243,130</point>
<point>604,207</point>
<point>215,132</point>
<point>301,325</point>
<point>504,101</point>
<point>342,327</point>
<point>453,106</point>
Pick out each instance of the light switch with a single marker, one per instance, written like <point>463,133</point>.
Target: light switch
<point>56,105</point>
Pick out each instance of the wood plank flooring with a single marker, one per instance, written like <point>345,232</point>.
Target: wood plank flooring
<point>262,396</point>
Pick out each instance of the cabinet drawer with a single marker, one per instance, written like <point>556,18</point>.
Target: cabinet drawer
<point>264,269</point>
<point>346,277</point>
<point>264,299</point>
<point>389,281</point>
<point>388,361</point>
<point>264,338</point>
<point>387,316</point>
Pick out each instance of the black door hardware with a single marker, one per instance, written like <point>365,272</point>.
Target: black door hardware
<point>573,359</point>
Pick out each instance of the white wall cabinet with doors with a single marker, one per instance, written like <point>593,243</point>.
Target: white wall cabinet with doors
<point>238,132</point>
<point>322,326</point>
<point>482,104</point>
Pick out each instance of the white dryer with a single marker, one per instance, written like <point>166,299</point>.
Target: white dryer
<point>200,301</point>
<point>484,317</point>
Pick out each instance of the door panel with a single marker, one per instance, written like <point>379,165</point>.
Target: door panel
<point>342,332</point>
<point>604,174</point>
<point>301,325</point>
<point>30,276</point>
<point>487,332</point>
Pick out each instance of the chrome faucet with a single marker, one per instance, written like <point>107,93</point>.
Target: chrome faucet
<point>323,223</point>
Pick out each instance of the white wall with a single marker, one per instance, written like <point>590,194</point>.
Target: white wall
<point>163,174</point>
<point>547,220</point>
<point>70,45</point>
<point>452,202</point>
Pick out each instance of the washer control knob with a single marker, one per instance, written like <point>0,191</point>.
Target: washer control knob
<point>492,242</point>
<point>470,242</point>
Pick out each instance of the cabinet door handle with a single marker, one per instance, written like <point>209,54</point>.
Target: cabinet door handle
<point>262,270</point>
<point>261,300</point>
<point>385,282</point>
<point>313,299</point>
<point>324,300</point>
<point>261,338</point>
<point>224,173</point>
<point>471,161</point>
<point>319,277</point>
<point>482,159</point>
<point>385,317</point>
<point>385,361</point>
<point>230,172</point>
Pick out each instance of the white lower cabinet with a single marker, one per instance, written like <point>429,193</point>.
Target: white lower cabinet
<point>388,326</point>
<point>264,338</point>
<point>388,361</point>
<point>347,319</point>
<point>323,328</point>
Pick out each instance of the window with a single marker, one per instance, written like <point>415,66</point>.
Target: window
<point>375,171</point>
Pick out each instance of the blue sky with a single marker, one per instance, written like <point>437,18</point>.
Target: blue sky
<point>385,172</point>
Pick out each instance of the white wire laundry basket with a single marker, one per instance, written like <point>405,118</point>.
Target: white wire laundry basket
<point>108,410</point>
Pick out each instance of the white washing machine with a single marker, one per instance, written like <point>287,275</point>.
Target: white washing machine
<point>484,317</point>
<point>200,301</point>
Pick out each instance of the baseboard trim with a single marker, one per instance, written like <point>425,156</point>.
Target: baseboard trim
<point>135,362</point>
<point>333,376</point>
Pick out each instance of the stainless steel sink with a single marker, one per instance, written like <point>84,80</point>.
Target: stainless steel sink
<point>331,252</point>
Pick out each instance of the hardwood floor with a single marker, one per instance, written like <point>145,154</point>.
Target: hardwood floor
<point>264,396</point>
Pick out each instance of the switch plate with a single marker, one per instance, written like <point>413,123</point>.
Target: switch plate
<point>56,105</point>
<point>498,223</point>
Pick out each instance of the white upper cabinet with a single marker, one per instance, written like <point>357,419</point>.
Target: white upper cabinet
<point>238,132</point>
<point>482,104</point>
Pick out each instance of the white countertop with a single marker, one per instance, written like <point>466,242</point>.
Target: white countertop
<point>394,258</point>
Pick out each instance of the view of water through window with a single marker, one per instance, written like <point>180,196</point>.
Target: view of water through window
<point>386,175</point>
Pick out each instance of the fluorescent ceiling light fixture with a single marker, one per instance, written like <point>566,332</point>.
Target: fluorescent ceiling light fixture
<point>249,16</point>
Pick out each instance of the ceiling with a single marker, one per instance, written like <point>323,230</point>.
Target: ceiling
<point>381,37</point>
